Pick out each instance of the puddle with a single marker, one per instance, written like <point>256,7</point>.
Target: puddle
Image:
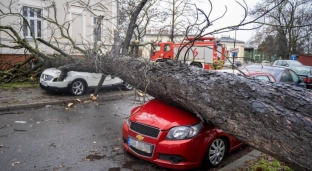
<point>114,169</point>
<point>129,164</point>
<point>93,157</point>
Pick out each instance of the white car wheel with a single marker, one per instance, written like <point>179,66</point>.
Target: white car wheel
<point>77,87</point>
<point>216,152</point>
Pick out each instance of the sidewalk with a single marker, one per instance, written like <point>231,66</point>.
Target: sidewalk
<point>26,98</point>
<point>35,97</point>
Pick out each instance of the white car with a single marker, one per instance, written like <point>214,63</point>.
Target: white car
<point>287,63</point>
<point>266,63</point>
<point>76,83</point>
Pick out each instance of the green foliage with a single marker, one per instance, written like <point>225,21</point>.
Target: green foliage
<point>269,165</point>
<point>17,85</point>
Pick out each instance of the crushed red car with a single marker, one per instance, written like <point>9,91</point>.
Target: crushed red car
<point>174,138</point>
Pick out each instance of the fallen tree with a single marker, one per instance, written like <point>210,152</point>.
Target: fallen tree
<point>271,117</point>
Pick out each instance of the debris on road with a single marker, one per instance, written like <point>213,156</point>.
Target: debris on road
<point>21,122</point>
<point>15,163</point>
<point>70,105</point>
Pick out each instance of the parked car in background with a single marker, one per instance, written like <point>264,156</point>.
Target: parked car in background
<point>266,63</point>
<point>286,63</point>
<point>174,138</point>
<point>76,83</point>
<point>305,73</point>
<point>281,74</point>
<point>238,63</point>
<point>227,63</point>
<point>266,76</point>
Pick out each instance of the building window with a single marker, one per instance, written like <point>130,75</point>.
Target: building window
<point>33,17</point>
<point>97,29</point>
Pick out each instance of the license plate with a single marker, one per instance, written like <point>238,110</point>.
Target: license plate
<point>140,145</point>
<point>44,83</point>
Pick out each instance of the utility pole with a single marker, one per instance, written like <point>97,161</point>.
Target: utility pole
<point>172,24</point>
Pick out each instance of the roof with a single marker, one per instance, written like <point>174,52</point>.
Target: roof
<point>247,73</point>
<point>230,40</point>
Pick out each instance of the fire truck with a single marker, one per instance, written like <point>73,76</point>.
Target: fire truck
<point>201,53</point>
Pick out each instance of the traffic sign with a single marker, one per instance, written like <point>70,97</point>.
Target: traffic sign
<point>234,50</point>
<point>234,54</point>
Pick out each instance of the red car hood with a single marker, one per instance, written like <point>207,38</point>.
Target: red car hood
<point>158,114</point>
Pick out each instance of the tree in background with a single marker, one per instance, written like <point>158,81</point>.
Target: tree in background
<point>289,24</point>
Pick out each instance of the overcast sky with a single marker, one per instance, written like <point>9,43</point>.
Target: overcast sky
<point>233,16</point>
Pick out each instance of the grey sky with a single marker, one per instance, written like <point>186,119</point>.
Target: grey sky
<point>233,16</point>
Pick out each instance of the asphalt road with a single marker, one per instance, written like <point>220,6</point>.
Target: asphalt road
<point>84,137</point>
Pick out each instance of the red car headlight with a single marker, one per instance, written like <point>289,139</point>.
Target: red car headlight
<point>184,132</point>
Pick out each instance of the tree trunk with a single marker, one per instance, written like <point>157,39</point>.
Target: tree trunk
<point>132,26</point>
<point>271,117</point>
<point>99,86</point>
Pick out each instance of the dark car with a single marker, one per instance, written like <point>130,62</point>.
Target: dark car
<point>305,73</point>
<point>281,74</point>
<point>238,63</point>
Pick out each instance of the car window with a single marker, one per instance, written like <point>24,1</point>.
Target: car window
<point>278,63</point>
<point>287,76</point>
<point>263,77</point>
<point>167,47</point>
<point>156,48</point>
<point>302,70</point>
<point>294,76</point>
<point>284,63</point>
<point>294,63</point>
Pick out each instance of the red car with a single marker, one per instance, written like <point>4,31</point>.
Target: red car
<point>174,138</point>
<point>261,75</point>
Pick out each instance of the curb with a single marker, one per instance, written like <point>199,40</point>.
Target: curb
<point>102,97</point>
<point>241,161</point>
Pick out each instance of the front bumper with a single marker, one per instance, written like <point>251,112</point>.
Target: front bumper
<point>173,154</point>
<point>60,86</point>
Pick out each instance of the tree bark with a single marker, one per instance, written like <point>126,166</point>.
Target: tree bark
<point>271,117</point>
<point>99,86</point>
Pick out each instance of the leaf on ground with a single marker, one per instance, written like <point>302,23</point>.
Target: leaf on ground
<point>70,105</point>
<point>141,94</point>
<point>93,98</point>
<point>78,100</point>
<point>88,101</point>
<point>15,163</point>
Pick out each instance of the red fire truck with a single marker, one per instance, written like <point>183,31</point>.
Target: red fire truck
<point>203,52</point>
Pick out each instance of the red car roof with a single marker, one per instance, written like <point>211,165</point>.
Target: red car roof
<point>247,73</point>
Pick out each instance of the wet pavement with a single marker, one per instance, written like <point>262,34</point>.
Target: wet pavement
<point>52,114</point>
<point>86,136</point>
<point>22,98</point>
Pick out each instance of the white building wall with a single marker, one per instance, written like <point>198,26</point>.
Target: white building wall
<point>72,11</point>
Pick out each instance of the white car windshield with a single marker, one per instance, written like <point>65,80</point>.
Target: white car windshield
<point>294,63</point>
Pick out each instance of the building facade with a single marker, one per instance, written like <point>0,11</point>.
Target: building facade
<point>233,45</point>
<point>76,18</point>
